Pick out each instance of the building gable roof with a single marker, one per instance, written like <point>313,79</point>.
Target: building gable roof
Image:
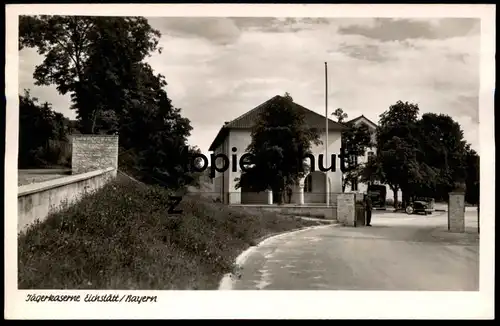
<point>364,119</point>
<point>247,121</point>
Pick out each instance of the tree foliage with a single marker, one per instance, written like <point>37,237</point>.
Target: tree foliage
<point>340,115</point>
<point>42,133</point>
<point>444,149</point>
<point>355,141</point>
<point>472,176</point>
<point>420,156</point>
<point>99,62</point>
<point>280,138</point>
<point>90,58</point>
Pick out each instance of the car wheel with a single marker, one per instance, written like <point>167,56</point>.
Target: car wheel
<point>409,209</point>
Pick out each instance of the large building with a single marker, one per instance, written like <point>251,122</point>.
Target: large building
<point>236,135</point>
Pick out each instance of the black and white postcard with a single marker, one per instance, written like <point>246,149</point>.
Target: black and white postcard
<point>249,161</point>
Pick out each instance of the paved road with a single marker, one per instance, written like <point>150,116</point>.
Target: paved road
<point>399,252</point>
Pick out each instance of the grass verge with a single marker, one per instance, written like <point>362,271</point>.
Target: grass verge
<point>121,237</point>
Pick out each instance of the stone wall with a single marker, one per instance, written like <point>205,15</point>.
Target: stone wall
<point>346,209</point>
<point>94,152</point>
<point>37,201</point>
<point>94,163</point>
<point>326,212</point>
<point>456,212</point>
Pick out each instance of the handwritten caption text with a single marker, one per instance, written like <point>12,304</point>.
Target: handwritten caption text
<point>126,298</point>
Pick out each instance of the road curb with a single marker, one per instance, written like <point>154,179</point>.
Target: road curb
<point>261,239</point>
<point>226,283</point>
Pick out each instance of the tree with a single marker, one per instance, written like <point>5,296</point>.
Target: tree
<point>472,178</point>
<point>340,115</point>
<point>280,138</point>
<point>99,61</point>
<point>355,141</point>
<point>396,161</point>
<point>38,125</point>
<point>88,57</point>
<point>420,157</point>
<point>443,148</point>
<point>156,131</point>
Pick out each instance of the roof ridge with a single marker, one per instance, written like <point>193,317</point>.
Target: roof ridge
<point>269,100</point>
<point>309,110</point>
<point>362,116</point>
<point>251,111</point>
<point>313,118</point>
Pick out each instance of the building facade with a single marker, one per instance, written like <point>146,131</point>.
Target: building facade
<point>234,138</point>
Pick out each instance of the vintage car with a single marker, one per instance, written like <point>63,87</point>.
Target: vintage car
<point>420,205</point>
<point>377,194</point>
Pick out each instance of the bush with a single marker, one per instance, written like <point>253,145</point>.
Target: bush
<point>122,238</point>
<point>58,153</point>
<point>55,153</point>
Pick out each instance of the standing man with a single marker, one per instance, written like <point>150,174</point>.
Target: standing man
<point>368,209</point>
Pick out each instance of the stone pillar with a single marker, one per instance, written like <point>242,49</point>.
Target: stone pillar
<point>235,197</point>
<point>456,212</point>
<point>269,197</point>
<point>346,209</point>
<point>301,194</point>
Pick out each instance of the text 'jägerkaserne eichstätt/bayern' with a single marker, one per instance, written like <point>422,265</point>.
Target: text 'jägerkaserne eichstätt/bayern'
<point>92,298</point>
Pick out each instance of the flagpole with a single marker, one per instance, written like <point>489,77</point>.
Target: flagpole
<point>327,185</point>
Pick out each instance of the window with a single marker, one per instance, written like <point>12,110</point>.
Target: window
<point>354,184</point>
<point>308,184</point>
<point>353,160</point>
<point>370,155</point>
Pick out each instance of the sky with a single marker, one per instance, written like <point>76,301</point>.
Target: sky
<point>219,68</point>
